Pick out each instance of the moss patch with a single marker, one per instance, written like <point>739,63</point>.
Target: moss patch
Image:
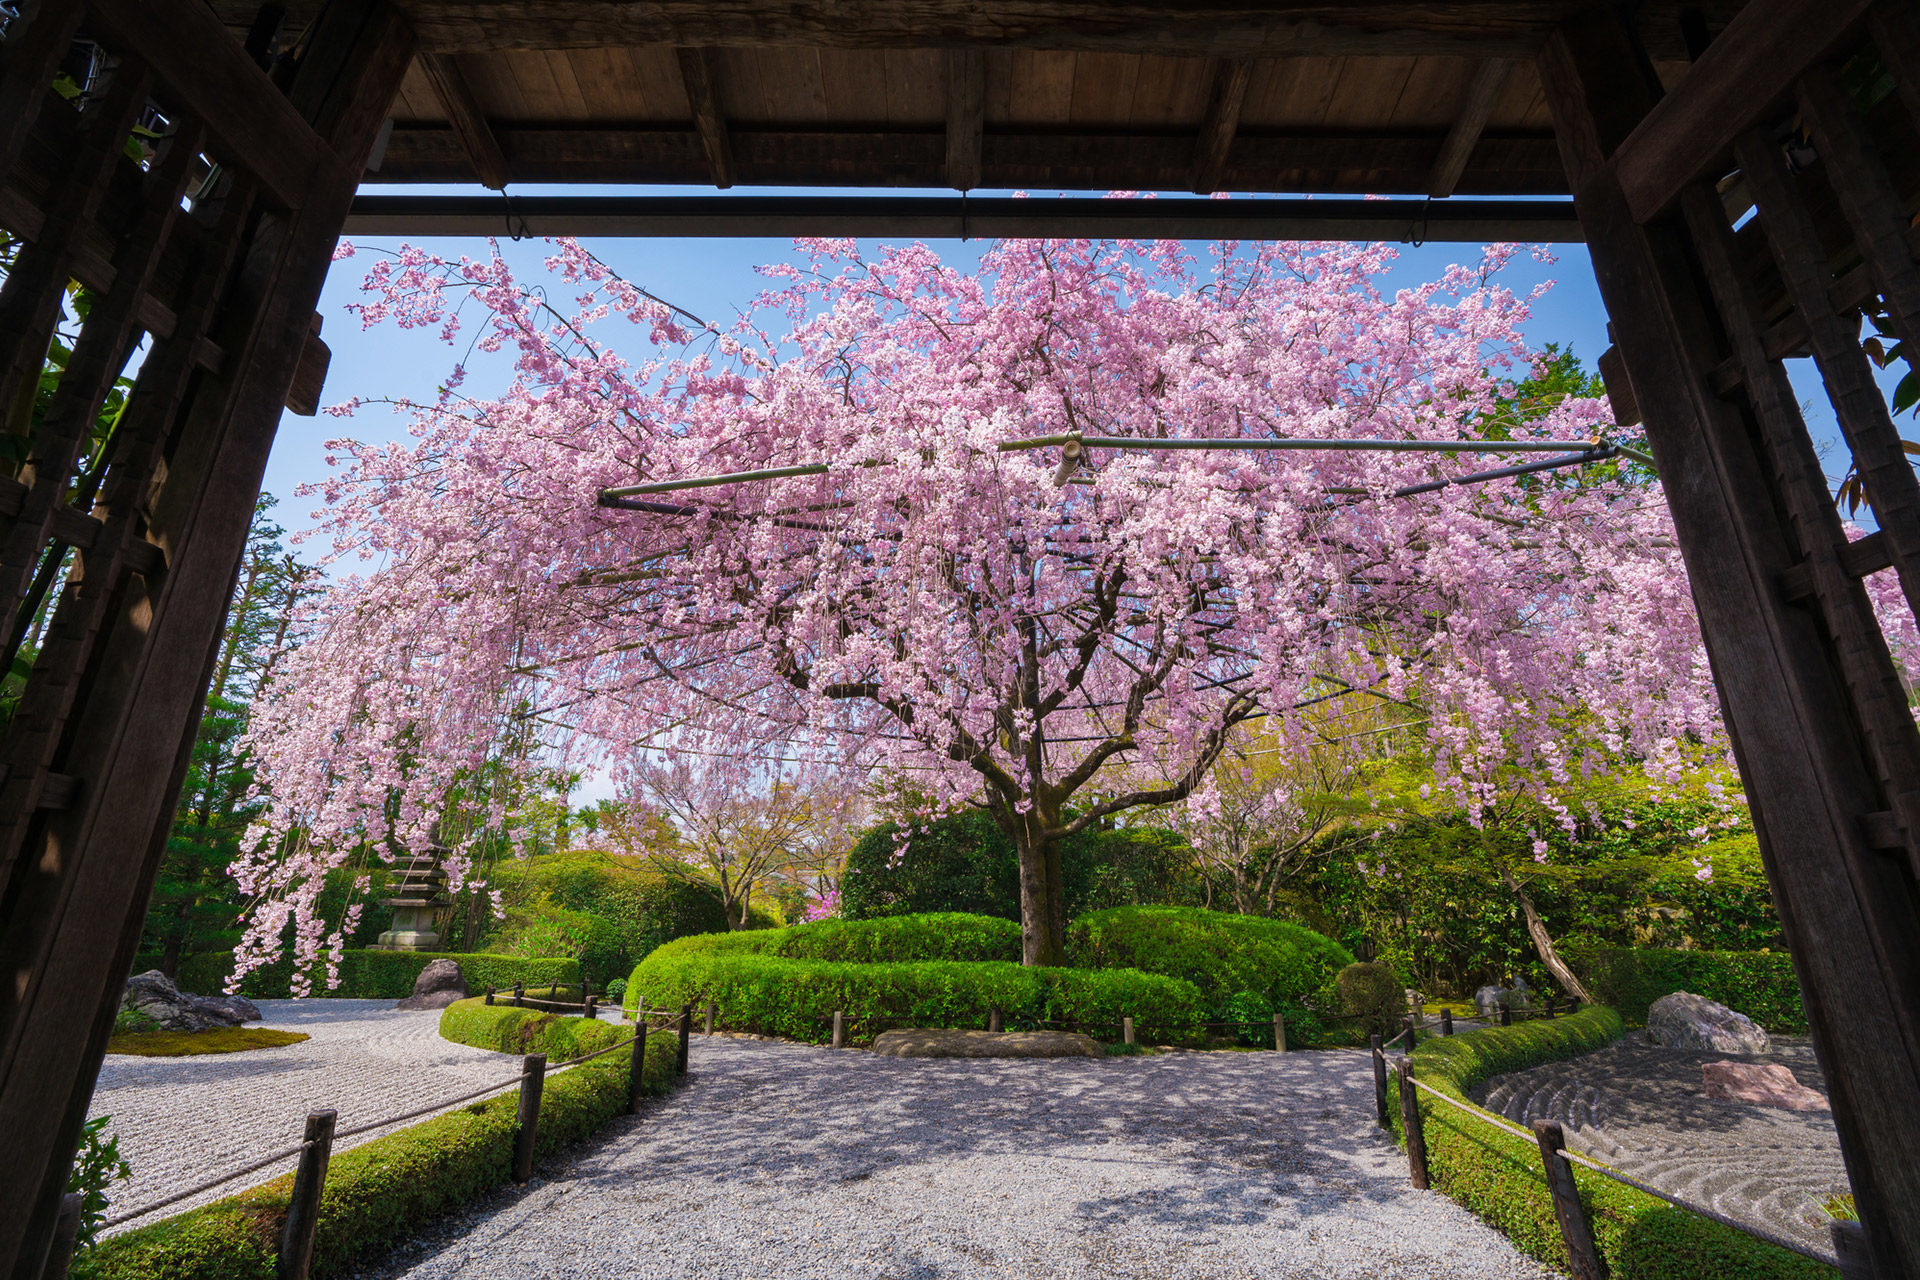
<point>186,1044</point>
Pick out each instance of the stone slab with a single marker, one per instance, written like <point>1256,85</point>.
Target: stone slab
<point>1767,1083</point>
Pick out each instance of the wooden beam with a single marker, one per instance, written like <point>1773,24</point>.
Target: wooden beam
<point>1751,65</point>
<point>206,73</point>
<point>1207,29</point>
<point>966,116</point>
<point>1488,79</point>
<point>464,114</point>
<point>936,217</point>
<point>1385,164</point>
<point>1222,121</point>
<point>696,73</point>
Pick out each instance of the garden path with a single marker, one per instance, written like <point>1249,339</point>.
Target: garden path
<point>183,1120</point>
<point>789,1161</point>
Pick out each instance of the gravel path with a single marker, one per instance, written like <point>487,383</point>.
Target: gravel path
<point>788,1161</point>
<point>1641,1108</point>
<point>183,1120</point>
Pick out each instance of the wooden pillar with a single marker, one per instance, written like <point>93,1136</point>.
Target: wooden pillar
<point>116,714</point>
<point>1849,911</point>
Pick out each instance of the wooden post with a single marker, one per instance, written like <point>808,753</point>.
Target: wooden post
<point>995,1023</point>
<point>1446,1022</point>
<point>587,1010</point>
<point>1850,1250</point>
<point>1279,1033</point>
<point>1583,1260</point>
<point>489,997</point>
<point>1506,1015</point>
<point>1412,1034</point>
<point>1380,1082</point>
<point>533,1078</point>
<point>636,1070</point>
<point>712,1009</point>
<point>839,1029</point>
<point>1415,1127</point>
<point>303,1209</point>
<point>519,995</point>
<point>1126,1030</point>
<point>686,1038</point>
<point>66,1233</point>
<point>1549,1004</point>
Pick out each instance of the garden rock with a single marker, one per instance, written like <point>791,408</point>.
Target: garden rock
<point>152,993</point>
<point>1686,1021</point>
<point>439,985</point>
<point>1768,1083</point>
<point>923,1043</point>
<point>1487,1000</point>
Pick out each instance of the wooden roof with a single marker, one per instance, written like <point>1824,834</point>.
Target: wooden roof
<point>1370,96</point>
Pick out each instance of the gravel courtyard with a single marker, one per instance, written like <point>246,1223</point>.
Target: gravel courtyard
<point>184,1120</point>
<point>786,1161</point>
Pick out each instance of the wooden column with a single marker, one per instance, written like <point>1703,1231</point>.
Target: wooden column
<point>125,705</point>
<point>1848,910</point>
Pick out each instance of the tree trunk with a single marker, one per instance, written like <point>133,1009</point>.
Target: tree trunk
<point>1543,943</point>
<point>1043,917</point>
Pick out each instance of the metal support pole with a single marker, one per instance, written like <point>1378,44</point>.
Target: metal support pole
<point>636,1070</point>
<point>533,1079</point>
<point>1583,1260</point>
<point>1414,1125</point>
<point>686,1038</point>
<point>303,1210</point>
<point>1380,1081</point>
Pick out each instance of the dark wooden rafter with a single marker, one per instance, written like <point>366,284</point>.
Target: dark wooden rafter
<point>966,116</point>
<point>1482,91</point>
<point>468,121</point>
<point>1827,750</point>
<point>1221,123</point>
<point>697,75</point>
<point>1896,34</point>
<point>27,61</point>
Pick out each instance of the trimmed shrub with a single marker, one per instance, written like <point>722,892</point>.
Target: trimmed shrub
<point>1373,992</point>
<point>387,1188</point>
<point>1245,968</point>
<point>946,935</point>
<point>1760,984</point>
<point>1499,1176</point>
<point>375,975</point>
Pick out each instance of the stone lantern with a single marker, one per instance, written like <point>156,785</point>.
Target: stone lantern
<point>420,896</point>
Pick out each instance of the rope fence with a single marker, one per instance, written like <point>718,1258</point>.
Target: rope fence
<point>315,1148</point>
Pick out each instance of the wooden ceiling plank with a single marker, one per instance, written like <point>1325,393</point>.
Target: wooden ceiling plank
<point>966,116</point>
<point>1042,88</point>
<point>469,122</point>
<point>1488,79</point>
<point>1103,87</point>
<point>1222,121</point>
<point>697,73</point>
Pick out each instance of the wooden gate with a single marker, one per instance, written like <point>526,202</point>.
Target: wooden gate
<point>1798,126</point>
<point>144,157</point>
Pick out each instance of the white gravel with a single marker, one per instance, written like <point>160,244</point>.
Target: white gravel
<point>783,1160</point>
<point>183,1120</point>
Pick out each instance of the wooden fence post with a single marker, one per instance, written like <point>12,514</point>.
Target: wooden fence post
<point>636,1070</point>
<point>1415,1126</point>
<point>1279,1034</point>
<point>712,1009</point>
<point>533,1078</point>
<point>1583,1260</point>
<point>1126,1030</point>
<point>1412,1034</point>
<point>587,1011</point>
<point>1380,1081</point>
<point>303,1210</point>
<point>1850,1250</point>
<point>1549,1004</point>
<point>519,995</point>
<point>995,1022</point>
<point>1446,1022</point>
<point>1506,1015</point>
<point>839,1029</point>
<point>686,1038</point>
<point>489,996</point>
<point>66,1233</point>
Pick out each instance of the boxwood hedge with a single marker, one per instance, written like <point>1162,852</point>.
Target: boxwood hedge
<point>1499,1176</point>
<point>373,975</point>
<point>385,1189</point>
<point>1760,984</point>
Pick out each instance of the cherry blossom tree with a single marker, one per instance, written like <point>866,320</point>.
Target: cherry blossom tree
<point>1057,632</point>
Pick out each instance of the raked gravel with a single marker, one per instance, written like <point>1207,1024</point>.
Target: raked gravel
<point>780,1160</point>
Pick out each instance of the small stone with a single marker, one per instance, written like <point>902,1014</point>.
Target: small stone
<point>1486,1001</point>
<point>239,1008</point>
<point>154,994</point>
<point>1767,1083</point>
<point>927,1043</point>
<point>439,985</point>
<point>1686,1021</point>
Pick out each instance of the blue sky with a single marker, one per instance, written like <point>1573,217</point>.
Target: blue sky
<point>714,278</point>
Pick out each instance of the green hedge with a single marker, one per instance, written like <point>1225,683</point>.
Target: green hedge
<point>1499,1176</point>
<point>944,935</point>
<point>371,975</point>
<point>759,990</point>
<point>387,1188</point>
<point>1760,984</point>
